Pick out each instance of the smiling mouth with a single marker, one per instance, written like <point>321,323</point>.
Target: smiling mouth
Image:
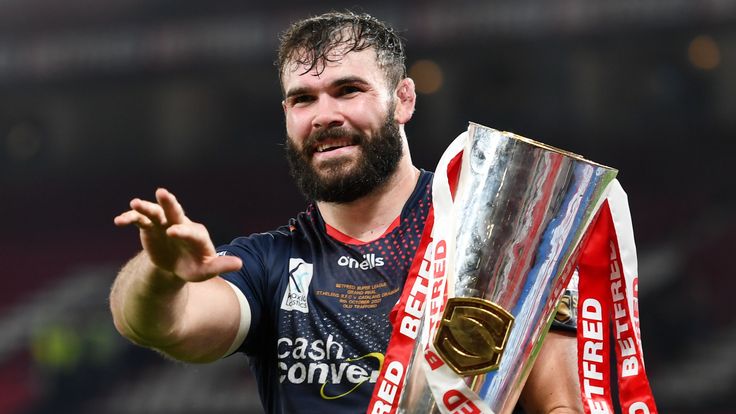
<point>331,146</point>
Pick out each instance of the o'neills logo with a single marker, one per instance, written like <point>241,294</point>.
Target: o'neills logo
<point>370,261</point>
<point>303,361</point>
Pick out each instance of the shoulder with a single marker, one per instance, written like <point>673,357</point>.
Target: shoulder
<point>272,242</point>
<point>425,180</point>
<point>422,194</point>
<point>257,242</point>
<point>264,257</point>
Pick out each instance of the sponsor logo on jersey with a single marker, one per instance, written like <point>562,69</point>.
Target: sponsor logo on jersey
<point>303,361</point>
<point>370,261</point>
<point>300,276</point>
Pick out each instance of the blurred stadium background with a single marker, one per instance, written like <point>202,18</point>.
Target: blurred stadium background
<point>101,101</point>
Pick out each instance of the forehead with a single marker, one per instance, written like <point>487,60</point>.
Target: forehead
<point>363,64</point>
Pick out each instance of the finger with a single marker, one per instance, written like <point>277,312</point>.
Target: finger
<point>133,217</point>
<point>153,211</point>
<point>192,232</point>
<point>173,211</point>
<point>222,264</point>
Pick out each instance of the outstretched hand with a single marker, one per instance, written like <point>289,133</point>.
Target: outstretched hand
<point>173,242</point>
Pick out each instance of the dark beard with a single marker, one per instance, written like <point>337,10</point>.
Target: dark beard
<point>378,161</point>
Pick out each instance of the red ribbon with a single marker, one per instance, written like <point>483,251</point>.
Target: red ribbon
<point>406,319</point>
<point>406,316</point>
<point>608,312</point>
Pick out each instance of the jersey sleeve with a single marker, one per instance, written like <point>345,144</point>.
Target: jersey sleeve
<point>251,281</point>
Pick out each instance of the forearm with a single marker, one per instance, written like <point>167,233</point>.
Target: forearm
<point>146,303</point>
<point>552,386</point>
<point>184,311</point>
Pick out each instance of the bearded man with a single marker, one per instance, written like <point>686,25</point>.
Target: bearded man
<point>308,303</point>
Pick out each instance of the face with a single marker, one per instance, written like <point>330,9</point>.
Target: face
<point>343,138</point>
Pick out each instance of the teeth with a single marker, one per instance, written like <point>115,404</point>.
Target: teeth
<point>325,147</point>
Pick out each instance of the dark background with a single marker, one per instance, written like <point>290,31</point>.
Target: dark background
<point>104,101</point>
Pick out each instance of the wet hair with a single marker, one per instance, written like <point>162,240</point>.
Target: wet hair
<point>319,40</point>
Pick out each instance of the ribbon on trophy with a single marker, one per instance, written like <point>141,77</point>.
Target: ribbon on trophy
<point>608,297</point>
<point>448,341</point>
<point>426,282</point>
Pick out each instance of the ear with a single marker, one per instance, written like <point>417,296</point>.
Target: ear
<point>406,99</point>
<point>283,106</point>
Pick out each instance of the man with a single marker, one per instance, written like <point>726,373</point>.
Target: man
<point>309,302</point>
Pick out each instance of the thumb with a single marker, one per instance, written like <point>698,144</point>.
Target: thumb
<point>222,264</point>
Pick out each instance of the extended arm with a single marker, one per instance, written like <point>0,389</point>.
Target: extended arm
<point>552,386</point>
<point>167,297</point>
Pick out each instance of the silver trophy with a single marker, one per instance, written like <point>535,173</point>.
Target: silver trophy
<point>520,213</point>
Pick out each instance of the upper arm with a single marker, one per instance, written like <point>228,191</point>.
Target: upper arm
<point>553,386</point>
<point>210,323</point>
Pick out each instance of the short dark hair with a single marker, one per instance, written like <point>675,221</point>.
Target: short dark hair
<point>310,42</point>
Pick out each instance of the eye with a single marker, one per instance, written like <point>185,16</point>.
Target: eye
<point>349,90</point>
<point>300,99</point>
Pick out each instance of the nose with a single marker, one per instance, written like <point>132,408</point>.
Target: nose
<point>328,113</point>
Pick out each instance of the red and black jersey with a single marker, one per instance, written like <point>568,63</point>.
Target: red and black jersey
<point>320,303</point>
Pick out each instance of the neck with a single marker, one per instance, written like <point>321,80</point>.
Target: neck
<point>367,218</point>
